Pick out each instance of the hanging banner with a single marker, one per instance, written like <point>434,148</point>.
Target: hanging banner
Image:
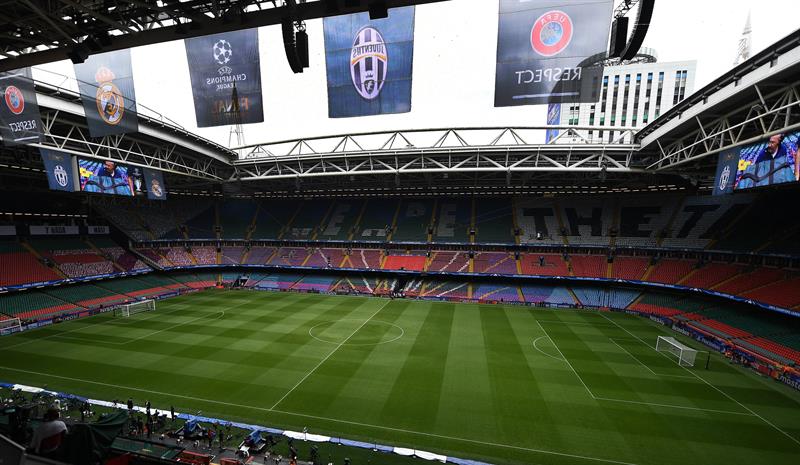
<point>20,122</point>
<point>726,172</point>
<point>154,180</point>
<point>369,63</point>
<point>547,50</point>
<point>107,91</point>
<point>553,118</point>
<point>60,169</point>
<point>220,65</point>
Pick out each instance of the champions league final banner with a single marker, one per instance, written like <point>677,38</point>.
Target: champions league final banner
<point>109,99</point>
<point>218,64</point>
<point>369,63</point>
<point>20,122</point>
<point>546,51</point>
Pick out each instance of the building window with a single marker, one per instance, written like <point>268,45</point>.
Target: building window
<point>648,90</point>
<point>625,96</point>
<point>659,92</point>
<point>683,86</point>
<point>637,95</point>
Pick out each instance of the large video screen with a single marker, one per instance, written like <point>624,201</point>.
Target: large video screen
<point>773,161</point>
<point>108,177</point>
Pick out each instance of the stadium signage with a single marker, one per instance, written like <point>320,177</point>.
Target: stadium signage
<point>108,94</point>
<point>790,381</point>
<point>225,72</point>
<point>20,121</point>
<point>368,63</point>
<point>98,230</point>
<point>544,50</point>
<point>8,230</point>
<point>53,230</point>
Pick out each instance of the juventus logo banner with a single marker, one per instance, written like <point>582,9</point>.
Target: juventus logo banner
<point>154,180</point>
<point>369,63</point>
<point>109,98</point>
<point>225,70</point>
<point>20,122</point>
<point>547,51</point>
<point>60,169</point>
<point>726,172</point>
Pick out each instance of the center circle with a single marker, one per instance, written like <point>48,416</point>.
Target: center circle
<point>354,332</point>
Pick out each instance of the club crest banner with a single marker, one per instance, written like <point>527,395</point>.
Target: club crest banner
<point>60,169</point>
<point>154,180</point>
<point>220,64</point>
<point>369,63</point>
<point>107,91</point>
<point>547,50</point>
<point>20,122</point>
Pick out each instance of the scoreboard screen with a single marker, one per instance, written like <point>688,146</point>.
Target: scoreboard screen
<point>109,177</point>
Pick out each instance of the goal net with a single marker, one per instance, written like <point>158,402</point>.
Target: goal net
<point>134,308</point>
<point>10,325</point>
<point>685,354</point>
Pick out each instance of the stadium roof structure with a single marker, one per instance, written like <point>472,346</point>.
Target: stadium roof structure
<point>160,144</point>
<point>758,98</point>
<point>34,32</point>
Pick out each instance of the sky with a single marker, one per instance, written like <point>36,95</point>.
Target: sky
<point>453,71</point>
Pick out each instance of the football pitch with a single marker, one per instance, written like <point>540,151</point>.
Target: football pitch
<point>503,384</point>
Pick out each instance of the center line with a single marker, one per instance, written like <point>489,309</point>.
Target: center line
<point>339,346</point>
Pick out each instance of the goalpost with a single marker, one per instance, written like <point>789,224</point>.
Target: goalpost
<point>10,325</point>
<point>685,354</point>
<point>135,307</point>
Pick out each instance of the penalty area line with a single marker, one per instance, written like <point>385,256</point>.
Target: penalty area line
<point>333,420</point>
<point>711,385</point>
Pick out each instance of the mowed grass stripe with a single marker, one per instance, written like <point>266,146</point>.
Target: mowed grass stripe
<point>470,351</point>
<point>413,402</point>
<point>355,381</point>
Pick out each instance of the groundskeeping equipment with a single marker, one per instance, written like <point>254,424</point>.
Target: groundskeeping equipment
<point>135,307</point>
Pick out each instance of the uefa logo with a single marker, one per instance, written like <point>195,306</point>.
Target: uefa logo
<point>368,62</point>
<point>551,33</point>
<point>222,51</point>
<point>14,100</point>
<point>60,175</point>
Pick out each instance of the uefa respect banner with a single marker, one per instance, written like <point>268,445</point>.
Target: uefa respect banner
<point>154,181</point>
<point>60,169</point>
<point>106,85</point>
<point>547,50</point>
<point>218,64</point>
<point>20,122</point>
<point>369,63</point>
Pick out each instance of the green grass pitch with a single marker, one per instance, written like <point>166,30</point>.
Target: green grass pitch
<point>503,384</point>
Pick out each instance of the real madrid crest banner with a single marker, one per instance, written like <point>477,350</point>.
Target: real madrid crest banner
<point>548,51</point>
<point>60,169</point>
<point>225,70</point>
<point>154,180</point>
<point>20,122</point>
<point>369,63</point>
<point>109,99</point>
